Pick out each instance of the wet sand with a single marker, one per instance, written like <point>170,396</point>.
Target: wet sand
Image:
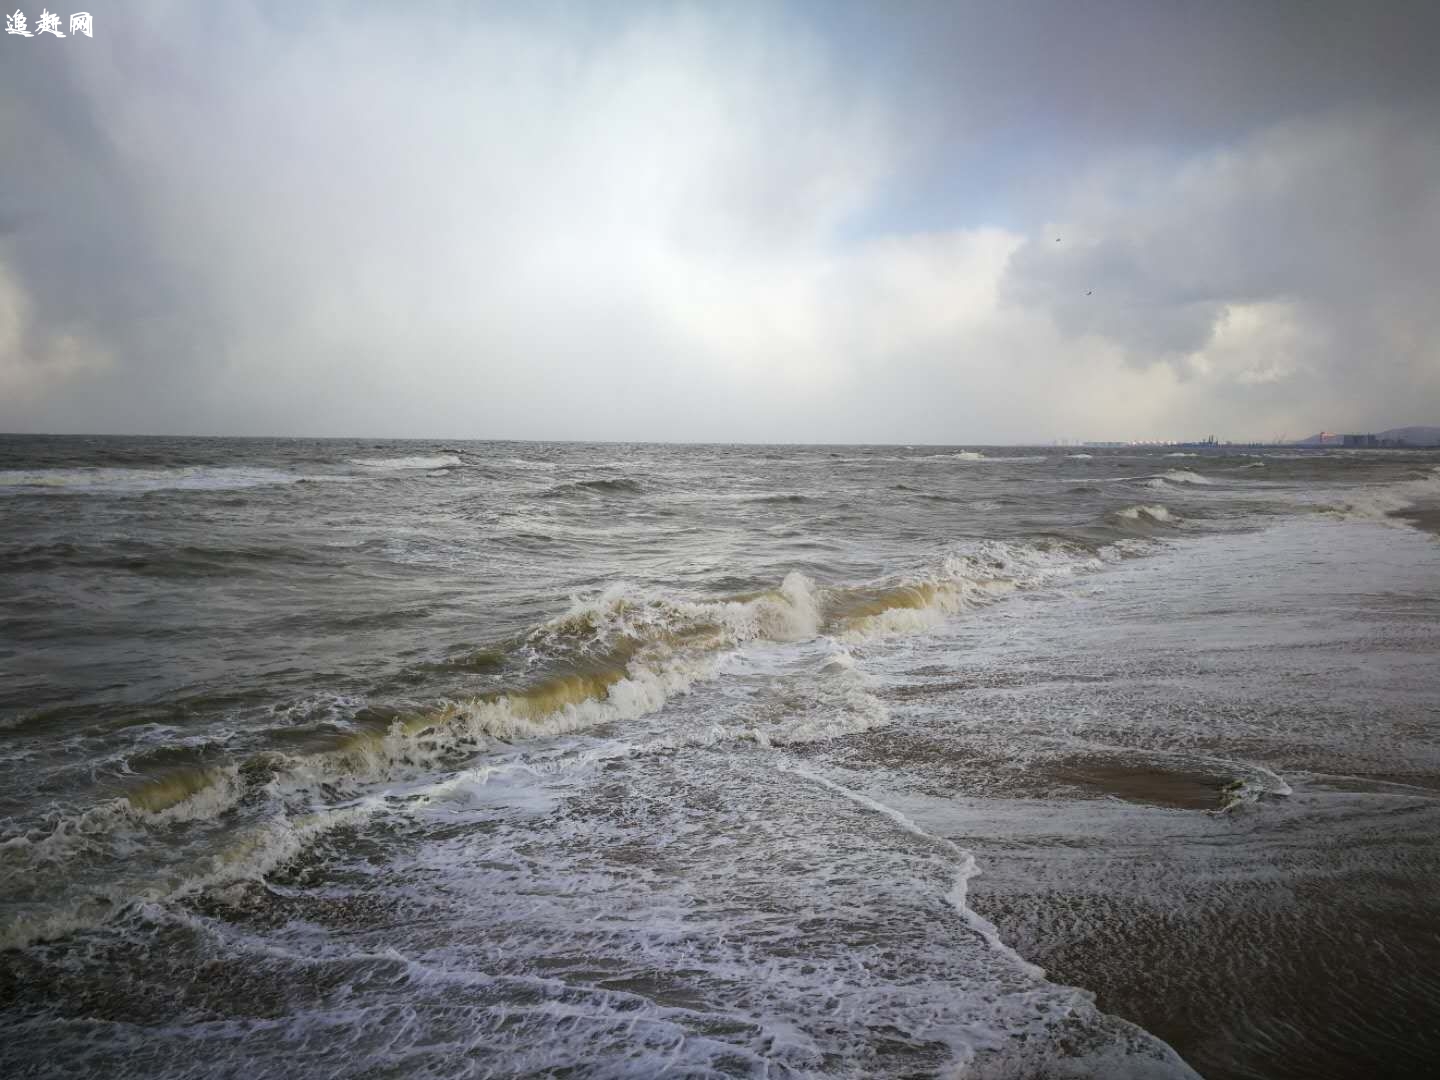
<point>1426,518</point>
<point>1179,790</point>
<point>1215,808</point>
<point>1287,937</point>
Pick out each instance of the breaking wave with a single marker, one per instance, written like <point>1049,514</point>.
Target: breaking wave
<point>1184,476</point>
<point>1148,512</point>
<point>614,656</point>
<point>1023,459</point>
<point>1381,504</point>
<point>1166,479</point>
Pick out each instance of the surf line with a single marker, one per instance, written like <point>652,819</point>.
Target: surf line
<point>966,866</point>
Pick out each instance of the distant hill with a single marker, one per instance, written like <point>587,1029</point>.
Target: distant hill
<point>1421,435</point>
<point>1417,435</point>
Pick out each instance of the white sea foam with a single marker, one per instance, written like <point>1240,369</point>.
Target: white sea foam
<point>744,986</point>
<point>432,461</point>
<point>647,685</point>
<point>251,855</point>
<point>526,463</point>
<point>67,833</point>
<point>975,455</point>
<point>1080,457</point>
<point>623,612</point>
<point>1378,503</point>
<point>121,481</point>
<point>680,642</point>
<point>1254,783</point>
<point>1167,479</point>
<point>1154,512</point>
<point>673,644</point>
<point>1185,476</point>
<point>965,869</point>
<point>964,580</point>
<point>994,460</point>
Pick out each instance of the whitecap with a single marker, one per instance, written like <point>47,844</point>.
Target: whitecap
<point>419,461</point>
<point>123,481</point>
<point>1151,512</point>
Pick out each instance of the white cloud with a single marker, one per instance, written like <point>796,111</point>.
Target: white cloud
<point>36,362</point>
<point>539,227</point>
<point>1298,261</point>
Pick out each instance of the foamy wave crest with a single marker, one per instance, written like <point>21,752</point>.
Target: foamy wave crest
<point>972,455</point>
<point>1166,479</point>
<point>109,481</point>
<point>559,707</point>
<point>1080,457</point>
<point>1382,503</point>
<point>250,856</point>
<point>636,650</point>
<point>526,463</point>
<point>630,652</point>
<point>621,619</point>
<point>629,655</point>
<point>432,461</point>
<point>1185,476</point>
<point>963,581</point>
<point>182,796</point>
<point>622,614</point>
<point>1150,512</point>
<point>617,655</point>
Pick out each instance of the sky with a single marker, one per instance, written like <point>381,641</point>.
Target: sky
<point>723,222</point>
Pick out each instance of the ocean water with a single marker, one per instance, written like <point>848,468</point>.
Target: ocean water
<point>357,758</point>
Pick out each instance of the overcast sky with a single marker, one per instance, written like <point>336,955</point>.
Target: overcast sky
<point>734,221</point>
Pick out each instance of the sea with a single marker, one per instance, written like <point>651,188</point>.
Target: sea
<point>365,758</point>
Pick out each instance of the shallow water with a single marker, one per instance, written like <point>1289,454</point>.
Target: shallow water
<point>504,759</point>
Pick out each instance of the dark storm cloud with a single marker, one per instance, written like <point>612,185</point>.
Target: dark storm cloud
<point>101,289</point>
<point>1122,71</point>
<point>547,222</point>
<point>1329,224</point>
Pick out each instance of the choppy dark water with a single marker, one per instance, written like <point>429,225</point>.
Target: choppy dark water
<point>371,759</point>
